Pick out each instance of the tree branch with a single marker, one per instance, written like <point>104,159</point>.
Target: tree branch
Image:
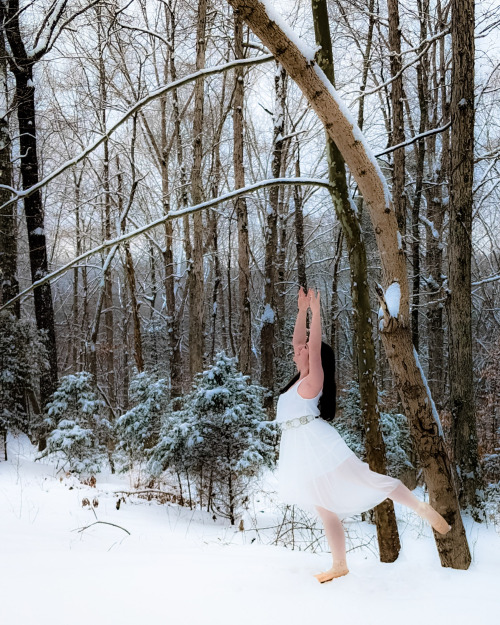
<point>137,106</point>
<point>172,215</point>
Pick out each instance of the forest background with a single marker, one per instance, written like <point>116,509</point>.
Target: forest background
<point>110,119</point>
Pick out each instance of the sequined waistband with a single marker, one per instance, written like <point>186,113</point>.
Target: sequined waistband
<point>297,422</point>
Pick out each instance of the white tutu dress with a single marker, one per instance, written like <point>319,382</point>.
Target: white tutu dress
<point>317,468</point>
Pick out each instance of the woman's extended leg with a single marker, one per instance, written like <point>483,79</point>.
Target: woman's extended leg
<point>335,536</point>
<point>404,496</point>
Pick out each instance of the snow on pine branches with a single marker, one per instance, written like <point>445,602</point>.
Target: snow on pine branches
<point>23,358</point>
<point>138,429</point>
<point>220,438</point>
<point>79,430</point>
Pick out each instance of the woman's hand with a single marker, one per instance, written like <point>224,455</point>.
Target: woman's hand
<point>314,303</point>
<point>303,300</point>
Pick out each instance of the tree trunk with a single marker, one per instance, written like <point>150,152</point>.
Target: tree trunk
<point>109,348</point>
<point>298,221</point>
<point>130,275</point>
<point>245,325</point>
<point>22,68</point>
<point>423,99</point>
<point>196,290</point>
<point>434,249</point>
<point>9,286</point>
<point>175,359</point>
<point>267,333</point>
<point>213,225</point>
<point>387,529</point>
<point>76,334</point>
<point>459,253</point>
<point>398,130</point>
<point>453,548</point>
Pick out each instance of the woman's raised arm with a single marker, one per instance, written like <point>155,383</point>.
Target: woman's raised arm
<point>313,383</point>
<point>299,332</point>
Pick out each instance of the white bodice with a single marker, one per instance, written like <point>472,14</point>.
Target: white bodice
<point>291,405</point>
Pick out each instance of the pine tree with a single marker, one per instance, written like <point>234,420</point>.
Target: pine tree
<point>137,430</point>
<point>220,437</point>
<point>23,358</point>
<point>79,430</point>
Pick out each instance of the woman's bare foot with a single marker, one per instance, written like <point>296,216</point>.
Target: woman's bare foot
<point>339,569</point>
<point>427,512</point>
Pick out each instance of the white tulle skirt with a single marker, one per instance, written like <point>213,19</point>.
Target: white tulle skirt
<point>317,468</point>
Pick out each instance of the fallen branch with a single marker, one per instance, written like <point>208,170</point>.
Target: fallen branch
<point>82,529</point>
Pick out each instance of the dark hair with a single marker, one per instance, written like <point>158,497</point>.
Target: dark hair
<point>328,401</point>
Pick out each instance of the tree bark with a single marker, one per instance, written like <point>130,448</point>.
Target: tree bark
<point>130,271</point>
<point>436,210</point>
<point>245,326</point>
<point>459,252</point>
<point>398,130</point>
<point>423,98</point>
<point>453,548</point>
<point>267,333</point>
<point>196,289</point>
<point>109,323</point>
<point>21,65</point>
<point>298,222</point>
<point>9,286</point>
<point>175,357</point>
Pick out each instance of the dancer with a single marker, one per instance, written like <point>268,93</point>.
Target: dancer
<point>317,470</point>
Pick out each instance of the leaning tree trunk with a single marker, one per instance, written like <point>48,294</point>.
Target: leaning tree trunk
<point>387,528</point>
<point>396,332</point>
<point>245,327</point>
<point>459,252</point>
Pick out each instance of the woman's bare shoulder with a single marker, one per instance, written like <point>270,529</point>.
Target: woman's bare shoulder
<point>309,387</point>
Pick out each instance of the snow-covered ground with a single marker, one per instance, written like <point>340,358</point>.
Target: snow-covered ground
<point>179,566</point>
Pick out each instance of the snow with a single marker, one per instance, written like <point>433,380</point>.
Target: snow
<point>430,224</point>
<point>38,231</point>
<point>392,299</point>
<point>268,315</point>
<point>433,405</point>
<point>180,566</point>
<point>276,17</point>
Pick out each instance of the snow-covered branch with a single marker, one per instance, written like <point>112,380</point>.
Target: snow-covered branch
<point>172,215</point>
<point>131,111</point>
<point>422,135</point>
<point>427,44</point>
<point>46,30</point>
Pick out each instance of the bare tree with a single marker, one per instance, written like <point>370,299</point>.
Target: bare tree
<point>459,252</point>
<point>9,286</point>
<point>245,326</point>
